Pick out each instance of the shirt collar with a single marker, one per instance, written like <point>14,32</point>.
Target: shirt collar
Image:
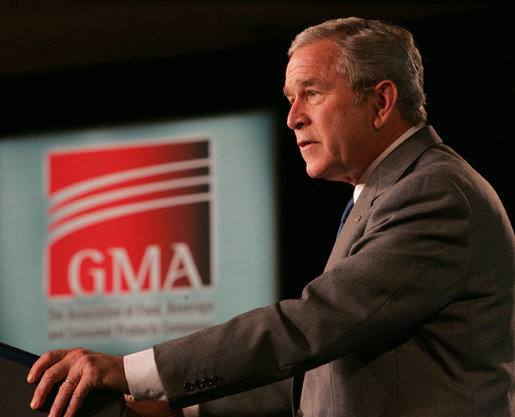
<point>366,175</point>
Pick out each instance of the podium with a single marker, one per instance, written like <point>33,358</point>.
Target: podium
<point>16,393</point>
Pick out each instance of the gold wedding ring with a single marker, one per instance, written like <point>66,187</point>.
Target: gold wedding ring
<point>70,382</point>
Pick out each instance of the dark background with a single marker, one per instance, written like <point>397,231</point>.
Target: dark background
<point>73,64</point>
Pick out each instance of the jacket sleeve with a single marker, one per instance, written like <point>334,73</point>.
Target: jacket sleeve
<point>409,261</point>
<point>271,400</point>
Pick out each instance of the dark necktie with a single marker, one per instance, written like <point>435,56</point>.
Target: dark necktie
<point>345,214</point>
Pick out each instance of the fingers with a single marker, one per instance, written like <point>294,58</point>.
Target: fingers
<point>78,371</point>
<point>73,400</point>
<point>69,398</point>
<point>65,397</point>
<point>54,367</point>
<point>44,362</point>
<point>52,371</point>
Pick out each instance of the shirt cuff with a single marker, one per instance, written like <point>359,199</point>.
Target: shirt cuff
<point>142,376</point>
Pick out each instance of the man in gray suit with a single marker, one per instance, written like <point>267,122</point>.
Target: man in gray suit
<point>413,315</point>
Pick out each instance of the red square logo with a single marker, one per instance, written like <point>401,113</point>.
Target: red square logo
<point>129,218</point>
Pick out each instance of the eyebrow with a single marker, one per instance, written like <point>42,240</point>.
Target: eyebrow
<point>303,84</point>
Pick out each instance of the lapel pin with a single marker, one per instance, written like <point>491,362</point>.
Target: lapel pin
<point>357,219</point>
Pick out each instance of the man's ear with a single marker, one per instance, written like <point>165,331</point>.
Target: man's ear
<point>384,100</point>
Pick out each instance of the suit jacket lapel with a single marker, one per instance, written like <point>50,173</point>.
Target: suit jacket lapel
<point>391,169</point>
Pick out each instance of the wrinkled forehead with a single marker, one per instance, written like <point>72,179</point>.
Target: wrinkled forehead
<point>311,63</point>
<point>324,51</point>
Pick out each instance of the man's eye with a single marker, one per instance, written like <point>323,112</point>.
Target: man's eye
<point>313,94</point>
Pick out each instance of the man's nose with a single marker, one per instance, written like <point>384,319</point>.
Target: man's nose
<point>297,116</point>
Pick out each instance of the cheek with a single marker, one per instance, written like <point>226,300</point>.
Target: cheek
<point>335,137</point>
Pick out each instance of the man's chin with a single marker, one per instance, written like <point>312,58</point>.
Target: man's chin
<point>317,173</point>
<point>310,171</point>
<point>313,172</point>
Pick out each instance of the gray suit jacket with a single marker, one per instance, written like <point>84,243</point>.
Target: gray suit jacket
<point>412,317</point>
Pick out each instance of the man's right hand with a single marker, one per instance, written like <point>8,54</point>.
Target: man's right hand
<point>79,371</point>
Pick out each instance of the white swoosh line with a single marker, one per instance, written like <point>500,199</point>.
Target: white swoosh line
<point>90,219</point>
<point>121,176</point>
<point>106,197</point>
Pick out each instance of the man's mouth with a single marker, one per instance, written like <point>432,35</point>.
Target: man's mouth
<point>306,143</point>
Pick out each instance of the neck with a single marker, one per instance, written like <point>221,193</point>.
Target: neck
<point>391,134</point>
<point>386,136</point>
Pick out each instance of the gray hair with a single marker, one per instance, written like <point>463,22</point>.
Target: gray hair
<point>372,51</point>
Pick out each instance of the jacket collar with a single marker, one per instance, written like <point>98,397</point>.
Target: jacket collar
<point>388,172</point>
<point>395,165</point>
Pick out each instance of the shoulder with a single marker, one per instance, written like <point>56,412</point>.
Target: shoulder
<point>441,185</point>
<point>441,168</point>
